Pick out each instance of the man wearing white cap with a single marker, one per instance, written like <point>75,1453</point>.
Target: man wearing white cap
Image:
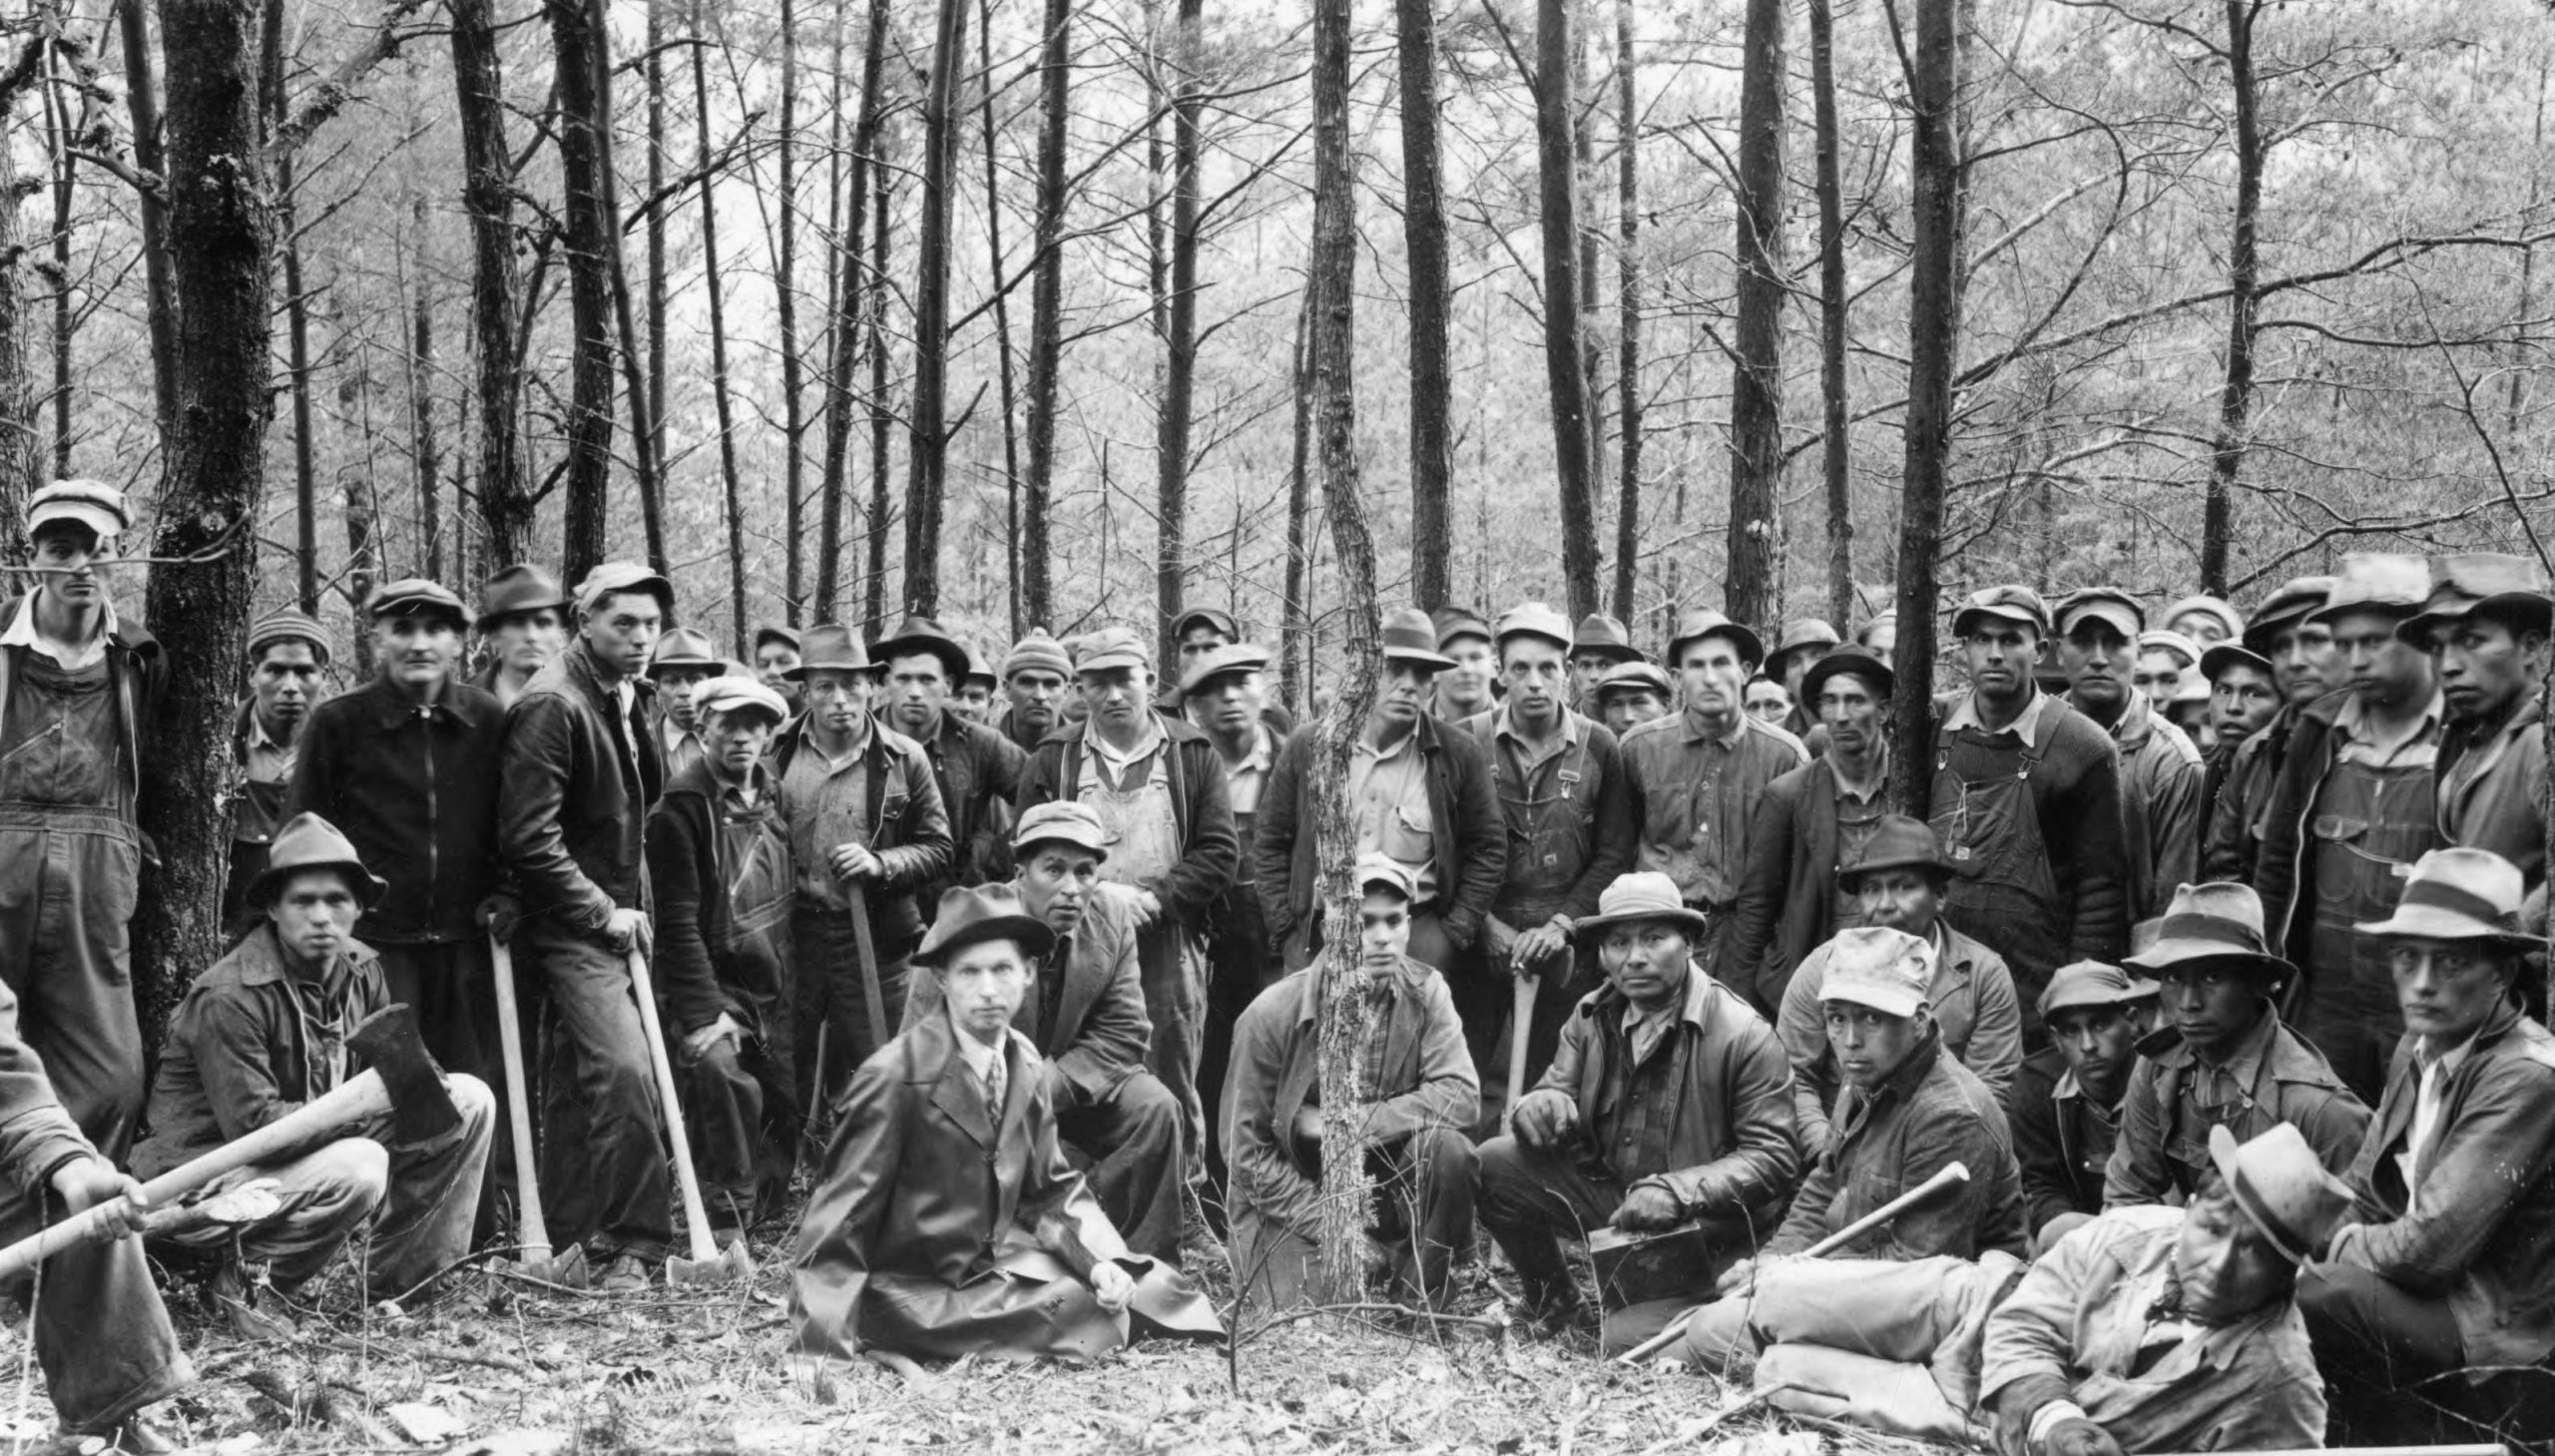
<point>2066,1103</point>
<point>2160,770</point>
<point>720,871</point>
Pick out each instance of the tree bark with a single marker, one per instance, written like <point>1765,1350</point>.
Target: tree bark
<point>926,468</point>
<point>740,625</point>
<point>847,316</point>
<point>1002,325</point>
<point>487,191</point>
<point>1295,647</point>
<point>882,418</point>
<point>643,437</point>
<point>428,450</point>
<point>296,308</point>
<point>1046,315</point>
<point>1179,345</point>
<point>1836,437</point>
<point>653,73</point>
<point>142,102</point>
<point>23,456</point>
<point>794,403</point>
<point>1557,167</point>
<point>1423,234</point>
<point>1934,221</point>
<point>2244,304</point>
<point>1756,375</point>
<point>1628,295</point>
<point>588,231</point>
<point>59,126</point>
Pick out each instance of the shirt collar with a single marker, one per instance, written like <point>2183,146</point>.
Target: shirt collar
<point>2354,724</point>
<point>1504,724</point>
<point>1263,755</point>
<point>21,631</point>
<point>259,737</point>
<point>2027,726</point>
<point>1695,733</point>
<point>2448,1061</point>
<point>1153,740</point>
<point>979,1057</point>
<point>1869,788</point>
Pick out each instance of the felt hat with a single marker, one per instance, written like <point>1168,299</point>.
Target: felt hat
<point>1410,637</point>
<point>1069,820</point>
<point>287,624</point>
<point>615,576</point>
<point>978,670</point>
<point>518,589</point>
<point>1898,841</point>
<point>733,690</point>
<point>2283,1189</point>
<point>1850,660</point>
<point>684,647</point>
<point>1697,623</point>
<point>2459,894</point>
<point>2092,983</point>
<point>2018,605</point>
<point>1886,970</point>
<point>1037,653</point>
<point>1532,619</point>
<point>1392,874</point>
<point>2391,584</point>
<point>2172,641</point>
<point>832,647</point>
<point>1454,622</point>
<point>2225,655</point>
<point>1636,676</point>
<point>1233,658</point>
<point>1602,635</point>
<point>2207,606</point>
<point>1640,895</point>
<point>771,632</point>
<point>1806,634</point>
<point>2213,922</point>
<point>924,635</point>
<point>416,596</point>
<point>91,503</point>
<point>2102,604</point>
<point>1111,650</point>
<point>1221,622</point>
<point>2502,587</point>
<point>2292,603</point>
<point>972,913</point>
<point>1887,618</point>
<point>308,842</point>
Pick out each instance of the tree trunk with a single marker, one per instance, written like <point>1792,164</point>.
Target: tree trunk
<point>1002,325</point>
<point>1423,235</point>
<point>590,229</point>
<point>1557,166</point>
<point>1180,346</point>
<point>653,72</point>
<point>1294,648</point>
<point>1046,315</point>
<point>505,502</point>
<point>421,406</point>
<point>740,627</point>
<point>643,437</point>
<point>882,418</point>
<point>23,455</point>
<point>2244,304</point>
<point>1756,376</point>
<point>794,405</point>
<point>1628,284</point>
<point>926,470</point>
<point>1836,437</point>
<point>1934,221</point>
<point>296,309</point>
<point>59,125</point>
<point>142,103</point>
<point>828,601</point>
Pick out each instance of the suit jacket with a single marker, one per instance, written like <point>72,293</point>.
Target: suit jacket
<point>1098,1036</point>
<point>572,807</point>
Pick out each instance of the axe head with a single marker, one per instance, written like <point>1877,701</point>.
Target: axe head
<point>387,1042</point>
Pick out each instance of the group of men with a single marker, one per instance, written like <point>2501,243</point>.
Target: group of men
<point>1041,944</point>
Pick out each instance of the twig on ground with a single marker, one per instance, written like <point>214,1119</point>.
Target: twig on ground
<point>1694,1431</point>
<point>400,1349</point>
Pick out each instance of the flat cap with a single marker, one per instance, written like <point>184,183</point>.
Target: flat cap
<point>731,692</point>
<point>1224,661</point>
<point>417,597</point>
<point>91,503</point>
<point>615,576</point>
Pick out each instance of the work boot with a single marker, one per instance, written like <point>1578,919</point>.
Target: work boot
<point>1199,1248</point>
<point>234,1298</point>
<point>624,1273</point>
<point>141,1436</point>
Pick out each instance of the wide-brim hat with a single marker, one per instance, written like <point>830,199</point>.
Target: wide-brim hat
<point>2016,604</point>
<point>1852,660</point>
<point>978,670</point>
<point>2283,1189</point>
<point>2093,983</point>
<point>1887,970</point>
<point>1697,623</point>
<point>2230,655</point>
<point>2103,604</point>
<point>1410,637</point>
<point>2293,602</point>
<point>1234,659</point>
<point>2207,606</point>
<point>518,589</point>
<point>924,635</point>
<point>1898,841</point>
<point>2463,583</point>
<point>2389,583</point>
<point>2213,922</point>
<point>308,842</point>
<point>1640,896</point>
<point>831,648</point>
<point>91,503</point>
<point>1532,619</point>
<point>1602,635</point>
<point>1068,820</point>
<point>684,647</point>
<point>1638,675</point>
<point>969,914</point>
<point>2459,894</point>
<point>416,596</point>
<point>1806,632</point>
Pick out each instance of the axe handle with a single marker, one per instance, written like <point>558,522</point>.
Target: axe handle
<point>1521,1022</point>
<point>868,948</point>
<point>355,1100</point>
<point>532,1230</point>
<point>696,1215</point>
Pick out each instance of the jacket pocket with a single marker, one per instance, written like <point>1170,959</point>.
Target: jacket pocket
<point>1409,834</point>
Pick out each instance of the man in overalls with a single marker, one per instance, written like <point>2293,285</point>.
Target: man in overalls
<point>2486,627</point>
<point>1569,814</point>
<point>2160,767</point>
<point>1157,785</point>
<point>718,862</point>
<point>1223,691</point>
<point>2353,809</point>
<point>75,688</point>
<point>977,768</point>
<point>287,652</point>
<point>2027,802</point>
<point>2301,654</point>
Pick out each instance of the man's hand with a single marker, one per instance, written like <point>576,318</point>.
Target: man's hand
<point>1649,1205</point>
<point>854,862</point>
<point>696,1044</point>
<point>90,1183</point>
<point>497,915</point>
<point>2078,1438</point>
<point>1545,1119</point>
<point>627,929</point>
<point>1498,939</point>
<point>1735,1280</point>
<point>1148,907</point>
<point>1112,1286</point>
<point>1539,945</point>
<point>1308,1125</point>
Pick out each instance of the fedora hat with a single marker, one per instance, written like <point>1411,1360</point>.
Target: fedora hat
<point>519,589</point>
<point>1898,841</point>
<point>1697,623</point>
<point>2020,605</point>
<point>2459,894</point>
<point>924,635</point>
<point>2092,983</point>
<point>1228,661</point>
<point>1602,635</point>
<point>2203,603</point>
<point>1068,820</point>
<point>1886,970</point>
<point>972,913</point>
<point>684,647</point>
<point>2292,603</point>
<point>1809,632</point>
<point>308,842</point>
<point>2389,583</point>
<point>2492,583</point>
<point>2213,922</point>
<point>1852,660</point>
<point>831,648</point>
<point>1410,637</point>
<point>1641,895</point>
<point>2283,1189</point>
<point>1532,619</point>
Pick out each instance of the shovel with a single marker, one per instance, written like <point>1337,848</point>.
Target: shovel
<point>532,1233</point>
<point>708,1264</point>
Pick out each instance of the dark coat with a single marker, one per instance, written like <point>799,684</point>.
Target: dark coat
<point>2233,840</point>
<point>2076,797</point>
<point>2164,1142</point>
<point>416,794</point>
<point>701,968</point>
<point>1929,1113</point>
<point>1788,899</point>
<point>1209,857</point>
<point>978,771</point>
<point>573,806</point>
<point>2062,1148</point>
<point>908,825</point>
<point>1101,1031</point>
<point>2280,871</point>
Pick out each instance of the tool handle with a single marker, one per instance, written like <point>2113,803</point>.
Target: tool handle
<point>695,1215</point>
<point>532,1231</point>
<point>1521,1018</point>
<point>868,948</point>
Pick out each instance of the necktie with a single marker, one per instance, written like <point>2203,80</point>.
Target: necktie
<point>992,1082</point>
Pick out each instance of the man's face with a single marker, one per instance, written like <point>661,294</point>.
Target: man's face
<point>623,629</point>
<point>673,690</point>
<point>2485,668</point>
<point>1467,683</point>
<point>2377,667</point>
<point>1881,638</point>
<point>838,699</point>
<point>1851,712</point>
<point>1905,898</point>
<point>1798,666</point>
<point>1533,670</point>
<point>1768,702</point>
<point>918,689</point>
<point>2100,1045</point>
<point>525,642</point>
<point>1648,960</point>
<point>2160,677</point>
<point>314,914</point>
<point>773,661</point>
<point>1200,639</point>
<point>1712,674</point>
<point>2212,1003</point>
<point>2448,989</point>
<point>1625,707</point>
<point>71,563</point>
<point>284,684</point>
<point>417,652</point>
<point>1405,686</point>
<point>2242,699</point>
<point>974,697</point>
<point>2226,1267</point>
<point>1585,669</point>
<point>2204,627</point>
<point>1384,930</point>
<point>1119,698</point>
<point>736,739</point>
<point>1056,882</point>
<point>1870,1044</point>
<point>2095,658</point>
<point>1035,696</point>
<point>2001,656</point>
<point>982,984</point>
<point>2303,662</point>
<point>1231,703</point>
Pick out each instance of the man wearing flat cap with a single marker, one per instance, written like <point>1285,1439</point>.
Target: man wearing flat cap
<point>523,624</point>
<point>1599,646</point>
<point>2224,1057</point>
<point>1667,1103</point>
<point>2243,694</point>
<point>578,772</point>
<point>1463,690</point>
<point>1804,643</point>
<point>1631,694</point>
<point>2486,626</point>
<point>978,770</point>
<point>287,652</point>
<point>2354,807</point>
<point>2299,650</point>
<point>2448,1267</point>
<point>2205,619</point>
<point>719,870</point>
<point>2160,770</point>
<point>1416,1093</point>
<point>2066,1103</point>
<point>1223,691</point>
<point>946,1221</point>
<point>776,651</point>
<point>1085,1013</point>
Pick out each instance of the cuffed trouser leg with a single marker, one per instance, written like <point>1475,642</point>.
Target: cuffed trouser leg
<point>1427,1183</point>
<point>604,1181</point>
<point>323,1198</point>
<point>1528,1200</point>
<point>1132,1140</point>
<point>425,1223</point>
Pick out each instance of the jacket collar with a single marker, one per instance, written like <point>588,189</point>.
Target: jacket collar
<point>937,1060</point>
<point>259,961</point>
<point>391,707</point>
<point>1902,1082</point>
<point>1691,724</point>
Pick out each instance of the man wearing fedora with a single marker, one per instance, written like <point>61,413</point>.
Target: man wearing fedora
<point>1631,694</point>
<point>946,1221</point>
<point>1811,823</point>
<point>1223,691</point>
<point>578,771</point>
<point>2354,807</point>
<point>1598,647</point>
<point>288,654</point>
<point>262,1031</point>
<point>683,659</point>
<point>1085,1013</point>
<point>1417,1094</point>
<point>1804,643</point>
<point>718,868</point>
<point>2065,1109</point>
<point>865,819</point>
<point>1667,1103</point>
<point>2449,1264</point>
<point>1898,884</point>
<point>2027,801</point>
<point>2301,654</point>
<point>2226,1056</point>
<point>977,768</point>
<point>2486,626</point>
<point>523,624</point>
<point>1696,777</point>
<point>2159,768</point>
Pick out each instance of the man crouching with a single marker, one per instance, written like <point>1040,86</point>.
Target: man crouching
<point>946,1221</point>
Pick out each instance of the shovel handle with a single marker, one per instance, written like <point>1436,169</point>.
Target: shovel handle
<point>695,1215</point>
<point>532,1231</point>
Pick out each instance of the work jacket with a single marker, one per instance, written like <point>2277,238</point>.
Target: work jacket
<point>709,960</point>
<point>2489,787</point>
<point>903,821</point>
<point>1976,1012</point>
<point>978,771</point>
<point>2061,1138</point>
<point>2234,838</point>
<point>1695,793</point>
<point>1097,1034</point>
<point>415,791</point>
<point>37,1137</point>
<point>1209,857</point>
<point>2160,807</point>
<point>2276,1077</point>
<point>572,805</point>
<point>1788,900</point>
<point>140,673</point>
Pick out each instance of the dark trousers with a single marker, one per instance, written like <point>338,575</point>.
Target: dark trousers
<point>1173,966</point>
<point>603,1157</point>
<point>66,904</point>
<point>1240,963</point>
<point>833,994</point>
<point>1424,1200</point>
<point>741,1112</point>
<point>100,1332</point>
<point>447,983</point>
<point>2393,1365</point>
<point>1531,1200</point>
<point>1132,1138</point>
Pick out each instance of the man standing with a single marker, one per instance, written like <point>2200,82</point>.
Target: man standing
<point>1804,643</point>
<point>2244,694</point>
<point>776,653</point>
<point>2160,770</point>
<point>523,624</point>
<point>2486,628</point>
<point>1697,777</point>
<point>683,660</point>
<point>977,768</point>
<point>2066,1103</point>
<point>2027,802</point>
<point>2166,663</point>
<point>1223,695</point>
<point>287,652</point>
<point>578,772</point>
<point>2205,620</point>
<point>2301,654</point>
<point>1811,821</point>
<point>1463,687</point>
<point>2354,807</point>
<point>1632,693</point>
<point>1568,812</point>
<point>1035,677</point>
<point>1598,647</point>
<point>975,699</point>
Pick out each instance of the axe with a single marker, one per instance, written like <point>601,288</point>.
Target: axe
<point>399,1079</point>
<point>706,1266</point>
<point>532,1231</point>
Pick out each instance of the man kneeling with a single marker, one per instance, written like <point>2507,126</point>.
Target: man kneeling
<point>1417,1093</point>
<point>263,1032</point>
<point>946,1221</point>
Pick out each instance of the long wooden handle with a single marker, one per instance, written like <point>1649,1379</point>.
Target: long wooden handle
<point>531,1230</point>
<point>694,1213</point>
<point>1521,1017</point>
<point>868,949</point>
<point>355,1100</point>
